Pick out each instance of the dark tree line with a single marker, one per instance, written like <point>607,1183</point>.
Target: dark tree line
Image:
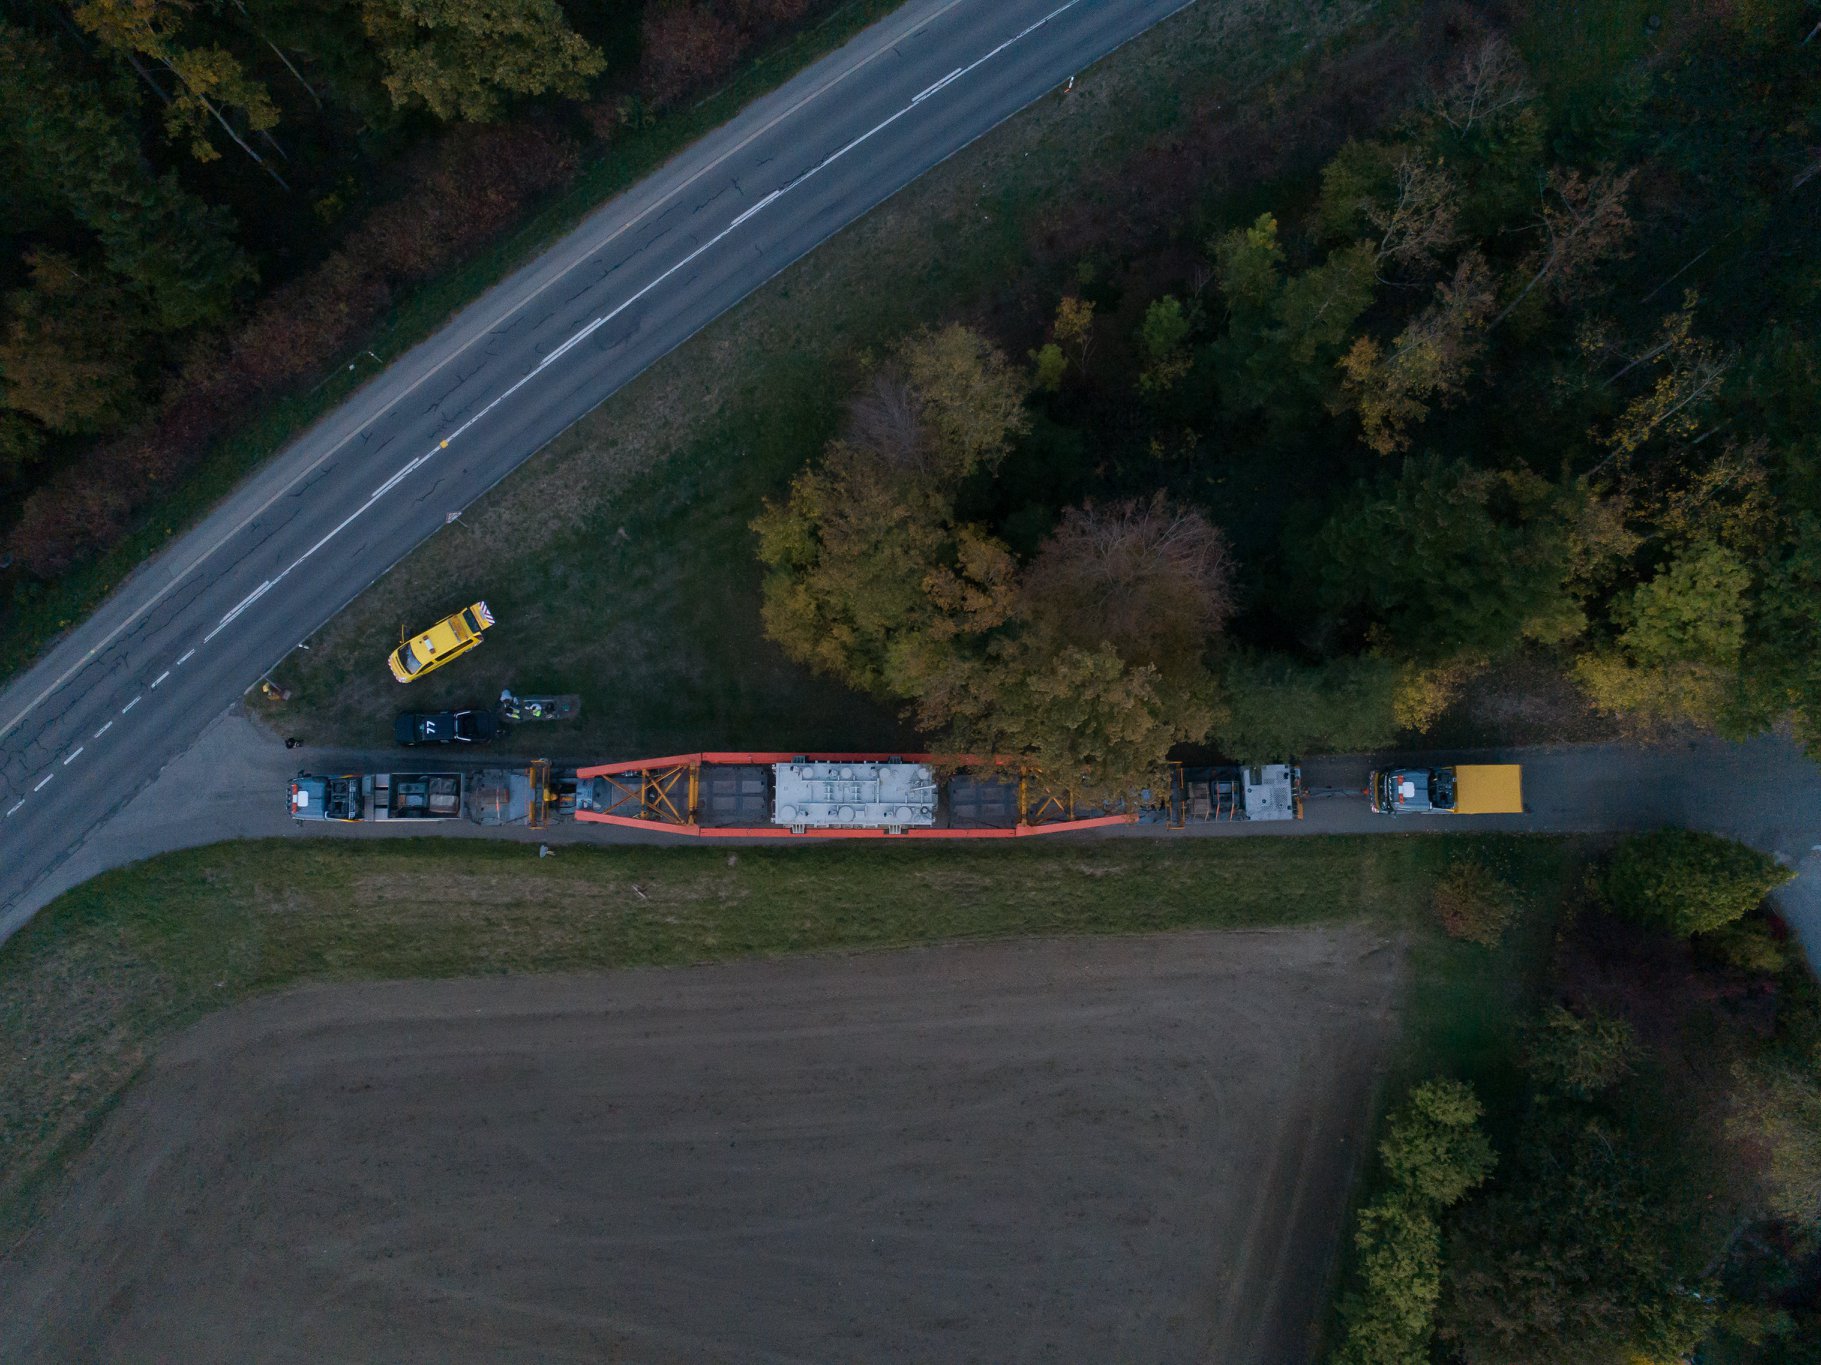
<point>205,203</point>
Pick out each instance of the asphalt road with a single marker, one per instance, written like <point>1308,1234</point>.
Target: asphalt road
<point>231,785</point>
<point>131,689</point>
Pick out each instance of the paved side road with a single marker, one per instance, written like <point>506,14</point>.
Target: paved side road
<point>131,689</point>
<point>231,785</point>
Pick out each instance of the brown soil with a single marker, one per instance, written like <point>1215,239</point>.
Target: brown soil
<point>1115,1149</point>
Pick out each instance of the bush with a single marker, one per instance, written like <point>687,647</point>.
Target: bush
<point>1688,882</point>
<point>1433,1154</point>
<point>1472,903</point>
<point>1578,1055</point>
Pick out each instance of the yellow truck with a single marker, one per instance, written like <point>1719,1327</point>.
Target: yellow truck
<point>1465,789</point>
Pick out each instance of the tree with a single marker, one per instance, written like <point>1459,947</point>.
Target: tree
<point>170,248</point>
<point>459,57</point>
<point>1473,903</point>
<point>686,45</point>
<point>1689,374</point>
<point>1578,1054</point>
<point>847,554</point>
<point>971,399</point>
<point>1776,1121</point>
<point>1433,1154</point>
<point>1278,708</point>
<point>870,577</point>
<point>1284,333</point>
<point>1434,1151</point>
<point>1073,329</point>
<point>1443,560</point>
<point>1568,1258</point>
<point>1163,341</point>
<point>1485,85</point>
<point>1091,723</point>
<point>206,79</point>
<point>1582,221</point>
<point>1152,579</point>
<point>70,350</point>
<point>1687,881</point>
<point>1429,359</point>
<point>1679,646</point>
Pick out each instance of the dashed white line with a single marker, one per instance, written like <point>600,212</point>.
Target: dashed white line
<point>74,756</point>
<point>15,808</point>
<point>185,659</point>
<point>161,677</point>
<point>130,705</point>
<point>102,731</point>
<point>44,782</point>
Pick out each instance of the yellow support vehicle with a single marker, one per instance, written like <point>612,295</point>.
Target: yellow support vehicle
<point>449,638</point>
<point>1466,789</point>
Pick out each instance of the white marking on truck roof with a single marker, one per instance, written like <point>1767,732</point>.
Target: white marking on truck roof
<point>44,782</point>
<point>102,731</point>
<point>161,677</point>
<point>130,705</point>
<point>76,755</point>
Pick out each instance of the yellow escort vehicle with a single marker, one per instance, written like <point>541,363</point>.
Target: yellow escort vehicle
<point>448,638</point>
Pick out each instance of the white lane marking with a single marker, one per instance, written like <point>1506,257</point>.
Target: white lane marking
<point>245,602</point>
<point>15,808</point>
<point>73,757</point>
<point>44,782</point>
<point>756,207</point>
<point>130,705</point>
<point>392,482</point>
<point>808,98</point>
<point>575,340</point>
<point>930,90</point>
<point>161,677</point>
<point>102,731</point>
<point>185,659</point>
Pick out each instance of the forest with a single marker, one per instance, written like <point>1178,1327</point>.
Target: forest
<point>1524,365</point>
<point>206,205</point>
<point>1642,1181</point>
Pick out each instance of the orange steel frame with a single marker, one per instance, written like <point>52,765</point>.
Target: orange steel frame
<point>650,787</point>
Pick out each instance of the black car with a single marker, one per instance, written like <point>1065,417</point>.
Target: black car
<point>446,727</point>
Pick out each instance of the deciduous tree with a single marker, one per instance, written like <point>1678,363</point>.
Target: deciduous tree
<point>1578,1054</point>
<point>70,351</point>
<point>1153,579</point>
<point>460,58</point>
<point>1443,560</point>
<point>1688,881</point>
<point>1429,359</point>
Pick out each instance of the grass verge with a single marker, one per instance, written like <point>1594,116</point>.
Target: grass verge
<point>41,612</point>
<point>619,560</point>
<point>98,979</point>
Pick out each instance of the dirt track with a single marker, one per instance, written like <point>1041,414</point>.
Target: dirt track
<point>1122,1149</point>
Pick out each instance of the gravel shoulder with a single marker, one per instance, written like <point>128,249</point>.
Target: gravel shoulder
<point>1129,1148</point>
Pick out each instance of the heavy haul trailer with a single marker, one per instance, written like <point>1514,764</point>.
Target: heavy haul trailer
<point>1465,789</point>
<point>526,796</point>
<point>869,796</point>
